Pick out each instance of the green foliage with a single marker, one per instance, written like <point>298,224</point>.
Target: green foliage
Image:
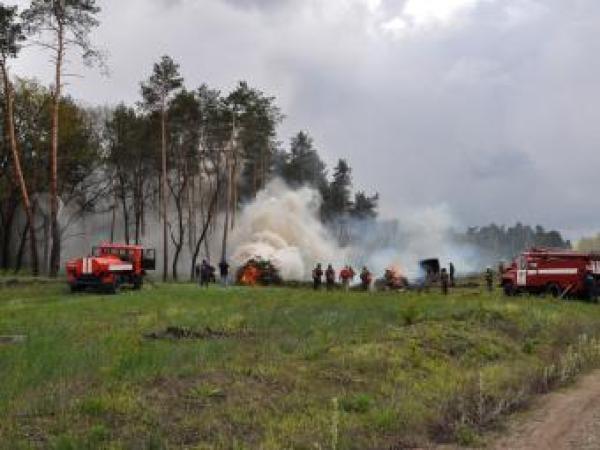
<point>164,80</point>
<point>360,403</point>
<point>80,143</point>
<point>206,392</point>
<point>256,118</point>
<point>465,435</point>
<point>303,166</point>
<point>500,242</point>
<point>364,207</point>
<point>338,200</point>
<point>77,19</point>
<point>11,33</point>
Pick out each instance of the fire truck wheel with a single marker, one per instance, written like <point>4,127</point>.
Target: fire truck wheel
<point>553,289</point>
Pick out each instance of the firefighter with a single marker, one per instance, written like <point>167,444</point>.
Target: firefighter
<point>365,278</point>
<point>500,268</point>
<point>451,266</point>
<point>590,287</point>
<point>205,273</point>
<point>330,277</point>
<point>489,279</point>
<point>444,278</point>
<point>317,275</point>
<point>388,278</point>
<point>197,272</point>
<point>345,278</point>
<point>224,272</point>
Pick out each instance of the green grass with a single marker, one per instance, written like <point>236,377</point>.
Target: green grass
<point>292,369</point>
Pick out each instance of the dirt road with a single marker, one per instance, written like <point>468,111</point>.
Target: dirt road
<point>563,420</point>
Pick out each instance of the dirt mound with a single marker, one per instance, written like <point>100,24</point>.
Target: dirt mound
<point>185,333</point>
<point>14,339</point>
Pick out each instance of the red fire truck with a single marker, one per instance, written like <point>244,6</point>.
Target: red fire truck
<point>554,272</point>
<point>110,266</point>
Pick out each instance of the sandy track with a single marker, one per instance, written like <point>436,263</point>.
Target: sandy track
<point>566,419</point>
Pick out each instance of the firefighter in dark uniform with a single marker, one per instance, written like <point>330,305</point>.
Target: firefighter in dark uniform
<point>489,279</point>
<point>224,272</point>
<point>445,280</point>
<point>330,277</point>
<point>205,273</point>
<point>590,287</point>
<point>365,279</point>
<point>317,275</point>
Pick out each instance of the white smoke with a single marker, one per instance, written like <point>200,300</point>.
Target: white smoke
<point>283,226</point>
<point>415,236</point>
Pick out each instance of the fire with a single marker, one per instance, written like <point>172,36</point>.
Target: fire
<point>258,271</point>
<point>395,278</point>
<point>250,276</point>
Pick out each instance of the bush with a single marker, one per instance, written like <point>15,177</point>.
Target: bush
<point>357,404</point>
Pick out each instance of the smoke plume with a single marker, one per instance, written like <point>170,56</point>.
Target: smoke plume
<point>283,225</point>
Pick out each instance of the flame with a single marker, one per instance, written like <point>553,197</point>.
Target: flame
<point>250,276</point>
<point>394,276</point>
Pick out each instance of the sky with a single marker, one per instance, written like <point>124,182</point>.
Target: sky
<point>486,109</point>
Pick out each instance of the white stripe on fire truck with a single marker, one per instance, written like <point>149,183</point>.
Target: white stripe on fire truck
<point>594,267</point>
<point>85,269</point>
<point>553,272</point>
<point>120,267</point>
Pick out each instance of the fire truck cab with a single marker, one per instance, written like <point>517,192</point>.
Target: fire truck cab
<point>110,266</point>
<point>554,272</point>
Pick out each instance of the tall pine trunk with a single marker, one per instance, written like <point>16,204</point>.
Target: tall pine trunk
<point>227,209</point>
<point>191,203</point>
<point>163,189</point>
<point>19,261</point>
<point>125,209</point>
<point>55,232</point>
<point>8,218</point>
<point>113,222</point>
<point>181,233</point>
<point>10,123</point>
<point>207,222</point>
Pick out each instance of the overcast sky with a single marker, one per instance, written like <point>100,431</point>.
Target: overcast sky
<point>489,108</point>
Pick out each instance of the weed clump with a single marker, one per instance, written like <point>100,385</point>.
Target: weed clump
<point>359,404</point>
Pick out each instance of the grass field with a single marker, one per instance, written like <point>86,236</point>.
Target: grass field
<point>277,368</point>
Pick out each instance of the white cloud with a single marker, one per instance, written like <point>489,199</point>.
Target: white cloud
<point>419,15</point>
<point>425,12</point>
<point>490,106</point>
